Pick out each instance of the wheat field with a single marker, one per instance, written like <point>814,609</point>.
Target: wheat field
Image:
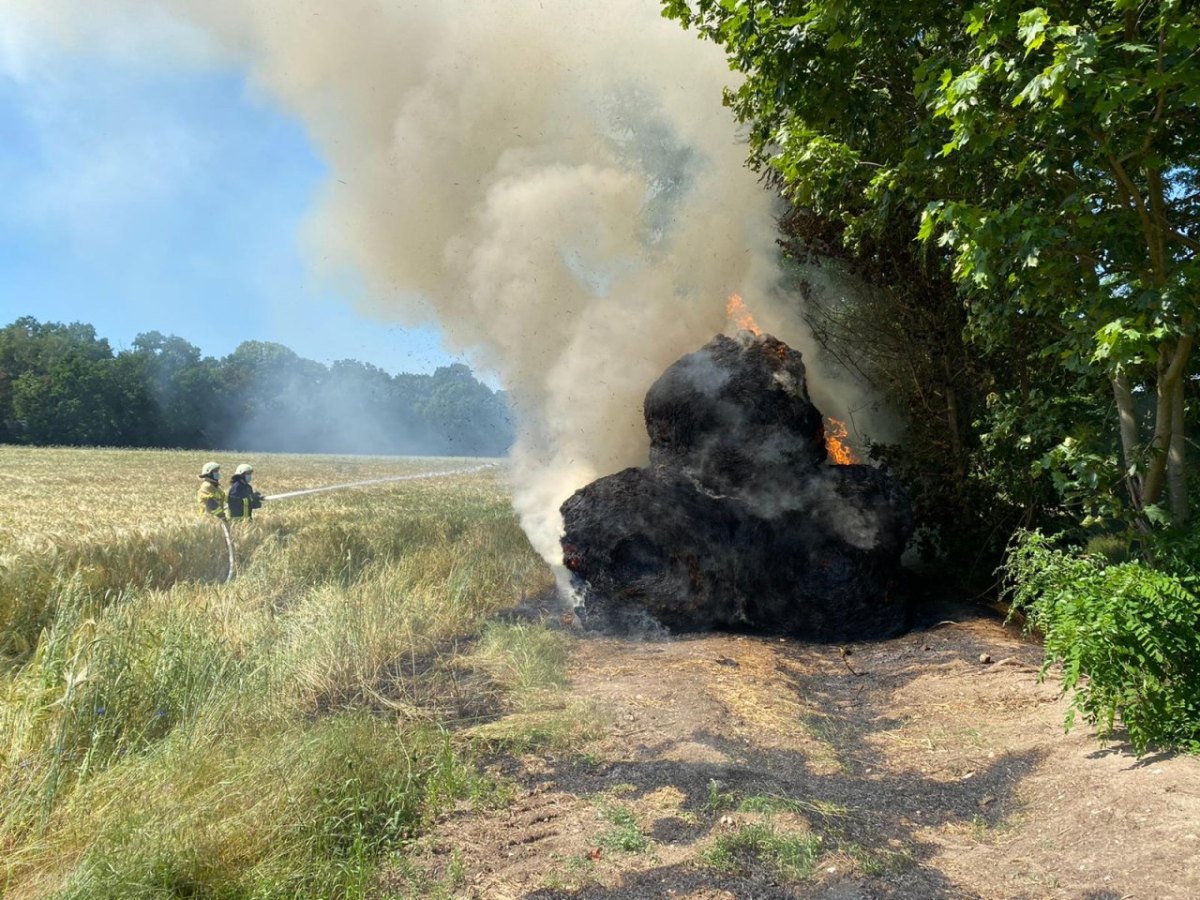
<point>164,733</point>
<point>48,495</point>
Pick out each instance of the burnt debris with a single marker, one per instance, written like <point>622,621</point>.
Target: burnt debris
<point>738,522</point>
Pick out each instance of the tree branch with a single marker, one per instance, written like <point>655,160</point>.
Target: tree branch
<point>1179,238</point>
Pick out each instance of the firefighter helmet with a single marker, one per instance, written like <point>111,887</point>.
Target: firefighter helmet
<point>244,469</point>
<point>211,470</point>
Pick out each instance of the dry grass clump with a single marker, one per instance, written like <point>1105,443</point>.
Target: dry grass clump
<point>163,733</point>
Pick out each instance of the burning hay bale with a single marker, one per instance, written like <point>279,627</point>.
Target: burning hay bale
<point>739,522</point>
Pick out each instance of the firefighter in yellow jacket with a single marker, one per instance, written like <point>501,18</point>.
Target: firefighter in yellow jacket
<point>210,499</point>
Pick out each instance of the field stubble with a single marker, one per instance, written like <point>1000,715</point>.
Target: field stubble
<point>163,733</point>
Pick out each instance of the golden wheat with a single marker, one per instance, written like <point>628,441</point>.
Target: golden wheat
<point>54,495</point>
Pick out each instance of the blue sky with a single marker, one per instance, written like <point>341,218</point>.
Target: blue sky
<point>143,199</point>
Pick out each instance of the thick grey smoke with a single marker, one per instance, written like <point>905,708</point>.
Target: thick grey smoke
<point>555,183</point>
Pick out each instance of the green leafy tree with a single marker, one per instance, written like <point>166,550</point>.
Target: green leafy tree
<point>1084,121</point>
<point>60,384</point>
<point>1044,159</point>
<point>269,397</point>
<point>181,385</point>
<point>28,347</point>
<point>470,418</point>
<point>361,413</point>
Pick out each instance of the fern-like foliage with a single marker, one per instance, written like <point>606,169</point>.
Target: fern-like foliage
<point>1127,634</point>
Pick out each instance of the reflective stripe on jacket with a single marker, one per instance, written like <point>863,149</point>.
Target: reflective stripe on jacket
<point>242,499</point>
<point>210,499</point>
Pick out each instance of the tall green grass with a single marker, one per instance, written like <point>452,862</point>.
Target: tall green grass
<point>34,585</point>
<point>164,734</point>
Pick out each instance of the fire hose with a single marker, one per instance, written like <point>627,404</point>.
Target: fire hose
<point>229,546</point>
<point>339,487</point>
<point>352,484</point>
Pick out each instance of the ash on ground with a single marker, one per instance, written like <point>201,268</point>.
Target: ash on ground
<point>739,522</point>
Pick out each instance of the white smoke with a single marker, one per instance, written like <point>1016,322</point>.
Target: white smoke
<point>556,184</point>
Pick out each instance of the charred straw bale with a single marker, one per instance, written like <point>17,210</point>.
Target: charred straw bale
<point>738,522</point>
<point>735,414</point>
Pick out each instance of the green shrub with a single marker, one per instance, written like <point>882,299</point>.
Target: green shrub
<point>1127,634</point>
<point>792,855</point>
<point>624,834</point>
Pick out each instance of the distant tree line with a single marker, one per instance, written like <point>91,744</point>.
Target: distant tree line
<point>63,385</point>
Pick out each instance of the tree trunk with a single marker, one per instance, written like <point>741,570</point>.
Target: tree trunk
<point>1127,420</point>
<point>1172,363</point>
<point>952,422</point>
<point>1177,482</point>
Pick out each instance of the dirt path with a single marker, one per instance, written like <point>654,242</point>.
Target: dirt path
<point>743,767</point>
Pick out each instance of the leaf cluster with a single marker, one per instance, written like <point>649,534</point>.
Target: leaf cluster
<point>1127,635</point>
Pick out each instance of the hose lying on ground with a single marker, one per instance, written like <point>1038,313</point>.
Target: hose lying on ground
<point>229,545</point>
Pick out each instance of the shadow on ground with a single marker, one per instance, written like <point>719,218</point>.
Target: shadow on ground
<point>873,816</point>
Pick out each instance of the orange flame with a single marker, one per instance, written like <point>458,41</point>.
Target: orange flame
<point>836,444</point>
<point>739,315</point>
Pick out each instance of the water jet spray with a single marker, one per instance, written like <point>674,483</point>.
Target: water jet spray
<point>370,481</point>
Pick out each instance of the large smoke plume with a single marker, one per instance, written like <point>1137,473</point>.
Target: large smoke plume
<point>556,184</point>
